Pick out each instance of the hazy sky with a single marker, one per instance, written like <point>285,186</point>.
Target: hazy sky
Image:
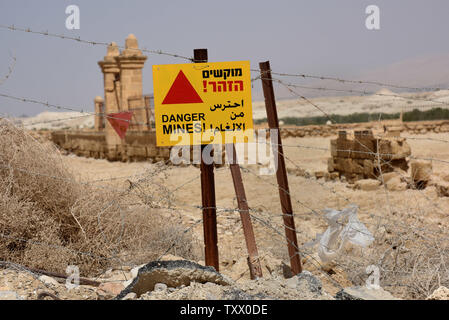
<point>325,37</point>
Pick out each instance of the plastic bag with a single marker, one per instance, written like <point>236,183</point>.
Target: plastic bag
<point>344,226</point>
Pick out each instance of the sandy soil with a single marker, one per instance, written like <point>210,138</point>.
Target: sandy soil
<point>309,197</point>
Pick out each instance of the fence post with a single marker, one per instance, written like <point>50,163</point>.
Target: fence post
<point>253,255</point>
<point>208,195</point>
<point>281,172</point>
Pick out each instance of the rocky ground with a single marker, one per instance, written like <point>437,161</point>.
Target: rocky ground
<point>409,206</point>
<point>198,284</point>
<point>123,284</point>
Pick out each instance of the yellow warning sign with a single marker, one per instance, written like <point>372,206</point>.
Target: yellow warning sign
<point>202,103</point>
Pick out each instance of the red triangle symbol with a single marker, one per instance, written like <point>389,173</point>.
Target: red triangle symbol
<point>182,91</point>
<point>120,122</point>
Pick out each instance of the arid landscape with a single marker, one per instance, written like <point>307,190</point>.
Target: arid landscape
<point>225,156</point>
<point>380,101</point>
<point>409,225</point>
<point>390,215</point>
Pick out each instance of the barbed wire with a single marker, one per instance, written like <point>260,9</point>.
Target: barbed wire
<point>341,80</point>
<point>386,162</point>
<point>22,122</point>
<point>10,70</point>
<point>314,211</point>
<point>61,107</point>
<point>301,251</point>
<point>361,92</point>
<point>194,178</point>
<point>253,212</point>
<point>388,155</point>
<point>346,257</point>
<point>91,42</point>
<point>22,268</point>
<point>309,102</point>
<point>27,171</point>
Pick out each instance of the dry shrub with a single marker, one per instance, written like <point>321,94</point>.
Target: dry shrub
<point>48,220</point>
<point>413,259</point>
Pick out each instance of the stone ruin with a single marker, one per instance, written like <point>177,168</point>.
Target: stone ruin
<point>123,91</point>
<point>359,158</point>
<point>122,74</point>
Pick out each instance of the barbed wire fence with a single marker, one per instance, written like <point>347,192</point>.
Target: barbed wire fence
<point>267,218</point>
<point>420,287</point>
<point>410,252</point>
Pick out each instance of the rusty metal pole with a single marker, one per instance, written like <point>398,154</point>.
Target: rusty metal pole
<point>208,195</point>
<point>255,269</point>
<point>281,172</point>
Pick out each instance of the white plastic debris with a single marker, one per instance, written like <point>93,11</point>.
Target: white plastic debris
<point>344,226</point>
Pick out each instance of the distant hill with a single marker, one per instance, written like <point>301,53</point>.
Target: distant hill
<point>422,72</point>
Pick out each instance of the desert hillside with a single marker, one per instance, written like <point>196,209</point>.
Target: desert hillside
<point>384,101</point>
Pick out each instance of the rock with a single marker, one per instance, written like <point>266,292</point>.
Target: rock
<point>442,293</point>
<point>319,174</point>
<point>394,131</point>
<point>274,267</point>
<point>292,283</point>
<point>363,293</point>
<point>331,176</point>
<point>10,295</point>
<point>367,184</point>
<point>113,275</point>
<point>128,282</point>
<point>111,288</point>
<point>202,291</point>
<point>330,165</point>
<point>305,281</point>
<point>130,296</point>
<point>393,181</point>
<point>170,257</point>
<point>160,287</point>
<point>313,283</point>
<point>442,188</point>
<point>173,274</point>
<point>394,149</point>
<point>271,266</point>
<point>135,270</point>
<point>421,170</point>
<point>389,175</point>
<point>48,280</point>
<point>395,184</point>
<point>210,296</point>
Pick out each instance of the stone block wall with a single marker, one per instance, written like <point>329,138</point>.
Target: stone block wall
<point>137,146</point>
<point>393,126</point>
<point>364,156</point>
